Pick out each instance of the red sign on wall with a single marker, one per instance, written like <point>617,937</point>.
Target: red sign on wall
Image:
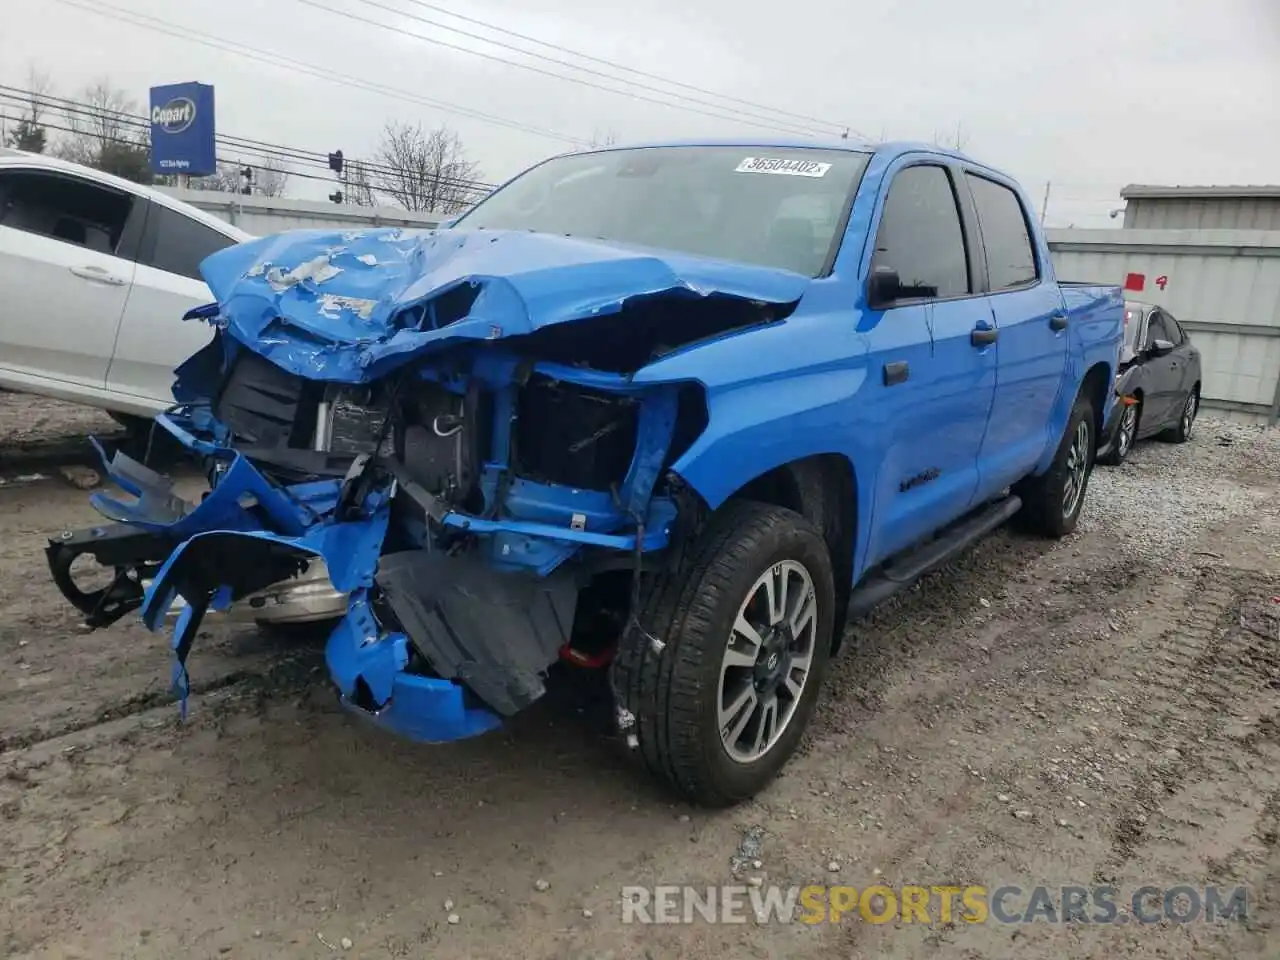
<point>1135,281</point>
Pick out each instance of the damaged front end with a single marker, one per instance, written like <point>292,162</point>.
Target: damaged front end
<point>448,427</point>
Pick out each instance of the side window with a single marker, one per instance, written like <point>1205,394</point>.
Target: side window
<point>1011,259</point>
<point>176,244</point>
<point>64,208</point>
<point>1173,328</point>
<point>920,235</point>
<point>1157,329</point>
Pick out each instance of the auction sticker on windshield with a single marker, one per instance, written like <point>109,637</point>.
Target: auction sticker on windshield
<point>787,168</point>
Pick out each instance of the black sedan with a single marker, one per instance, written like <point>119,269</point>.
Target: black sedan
<point>1158,382</point>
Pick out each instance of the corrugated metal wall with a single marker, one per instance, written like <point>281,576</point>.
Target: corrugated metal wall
<point>1202,213</point>
<point>1222,285</point>
<point>264,215</point>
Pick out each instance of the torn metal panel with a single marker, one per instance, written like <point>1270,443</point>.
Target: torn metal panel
<point>496,632</point>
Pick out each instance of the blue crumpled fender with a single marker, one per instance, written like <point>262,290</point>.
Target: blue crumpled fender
<point>368,668</point>
<point>349,549</point>
<point>370,673</point>
<point>154,507</point>
<point>350,307</point>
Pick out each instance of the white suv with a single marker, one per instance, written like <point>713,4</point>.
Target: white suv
<point>95,275</point>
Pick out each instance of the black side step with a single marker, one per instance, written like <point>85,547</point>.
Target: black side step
<point>902,572</point>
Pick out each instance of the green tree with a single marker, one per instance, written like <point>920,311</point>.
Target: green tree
<point>30,133</point>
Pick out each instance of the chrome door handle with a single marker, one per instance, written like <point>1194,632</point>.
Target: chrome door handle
<point>98,275</point>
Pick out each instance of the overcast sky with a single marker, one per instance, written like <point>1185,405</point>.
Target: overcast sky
<point>1086,94</point>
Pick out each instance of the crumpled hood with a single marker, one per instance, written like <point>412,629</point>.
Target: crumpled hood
<point>349,306</point>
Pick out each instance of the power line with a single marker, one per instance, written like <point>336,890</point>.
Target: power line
<point>398,31</point>
<point>771,122</point>
<point>157,25</point>
<point>121,141</point>
<point>615,65</point>
<point>76,109</point>
<point>261,149</point>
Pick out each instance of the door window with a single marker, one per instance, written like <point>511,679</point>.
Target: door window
<point>1011,259</point>
<point>1173,328</point>
<point>1157,329</point>
<point>64,208</point>
<point>920,235</point>
<point>177,244</point>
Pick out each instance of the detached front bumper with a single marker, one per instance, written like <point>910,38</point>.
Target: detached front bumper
<point>429,645</point>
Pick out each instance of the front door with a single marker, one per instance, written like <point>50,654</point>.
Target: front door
<point>936,384</point>
<point>1161,375</point>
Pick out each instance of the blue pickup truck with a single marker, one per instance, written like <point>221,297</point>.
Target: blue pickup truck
<point>673,413</point>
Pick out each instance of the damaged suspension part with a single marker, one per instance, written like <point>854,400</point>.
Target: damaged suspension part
<point>134,555</point>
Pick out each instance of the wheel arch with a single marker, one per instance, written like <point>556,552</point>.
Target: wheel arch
<point>1097,381</point>
<point>823,488</point>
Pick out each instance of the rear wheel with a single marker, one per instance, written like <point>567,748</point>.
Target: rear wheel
<point>1181,432</point>
<point>1051,502</point>
<point>744,631</point>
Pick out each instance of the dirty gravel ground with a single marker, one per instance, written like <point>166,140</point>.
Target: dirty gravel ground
<point>1121,687</point>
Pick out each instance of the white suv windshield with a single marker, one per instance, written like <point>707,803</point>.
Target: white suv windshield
<point>773,207</point>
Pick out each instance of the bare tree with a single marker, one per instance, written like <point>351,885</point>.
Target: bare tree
<point>106,133</point>
<point>606,139</point>
<point>359,185</point>
<point>269,178</point>
<point>424,170</point>
<point>30,133</point>
<point>952,139</point>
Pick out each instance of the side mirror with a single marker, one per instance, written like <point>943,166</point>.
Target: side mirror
<point>1160,347</point>
<point>884,287</point>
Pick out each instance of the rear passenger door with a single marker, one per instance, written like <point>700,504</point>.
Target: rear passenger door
<point>153,338</point>
<point>66,263</point>
<point>935,384</point>
<point>1028,311</point>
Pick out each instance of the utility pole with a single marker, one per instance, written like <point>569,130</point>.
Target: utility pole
<point>1044,207</point>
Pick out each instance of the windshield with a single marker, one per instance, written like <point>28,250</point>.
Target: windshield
<point>768,206</point>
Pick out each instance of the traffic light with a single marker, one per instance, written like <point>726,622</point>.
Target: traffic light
<point>336,196</point>
<point>246,180</point>
<point>335,162</point>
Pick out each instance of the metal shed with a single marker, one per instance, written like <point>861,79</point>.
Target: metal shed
<point>1222,285</point>
<point>1201,208</point>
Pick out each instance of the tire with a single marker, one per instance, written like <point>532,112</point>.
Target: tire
<point>135,425</point>
<point>676,693</point>
<point>1044,498</point>
<point>1181,431</point>
<point>1128,433</point>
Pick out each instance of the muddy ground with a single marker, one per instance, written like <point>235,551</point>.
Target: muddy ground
<point>1105,710</point>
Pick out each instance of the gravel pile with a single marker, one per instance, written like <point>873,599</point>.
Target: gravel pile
<point>1166,494</point>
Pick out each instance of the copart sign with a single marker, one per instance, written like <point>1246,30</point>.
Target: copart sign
<point>182,129</point>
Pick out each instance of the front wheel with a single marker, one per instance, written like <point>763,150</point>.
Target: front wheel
<point>1126,435</point>
<point>743,633</point>
<point>1051,502</point>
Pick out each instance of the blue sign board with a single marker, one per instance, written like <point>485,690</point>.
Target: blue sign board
<point>182,137</point>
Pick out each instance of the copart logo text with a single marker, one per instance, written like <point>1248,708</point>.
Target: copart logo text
<point>175,116</point>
